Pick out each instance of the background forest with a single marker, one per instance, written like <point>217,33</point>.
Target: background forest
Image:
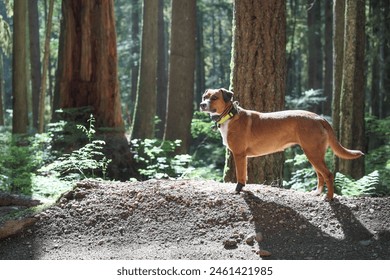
<point>110,89</point>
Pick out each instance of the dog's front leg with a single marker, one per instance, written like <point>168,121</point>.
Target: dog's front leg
<point>240,162</point>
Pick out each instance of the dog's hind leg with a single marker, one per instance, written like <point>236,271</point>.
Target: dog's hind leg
<point>316,156</point>
<point>320,184</point>
<point>323,174</point>
<point>241,165</point>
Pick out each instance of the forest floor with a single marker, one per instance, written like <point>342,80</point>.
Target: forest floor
<point>186,219</point>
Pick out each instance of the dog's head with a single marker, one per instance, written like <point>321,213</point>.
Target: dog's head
<point>215,101</point>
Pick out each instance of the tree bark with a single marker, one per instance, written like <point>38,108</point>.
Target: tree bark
<point>338,54</point>
<point>385,110</point>
<point>352,133</point>
<point>181,73</point>
<point>34,58</point>
<point>145,105</point>
<point>88,75</point>
<point>42,95</point>
<point>162,72</point>
<point>259,74</point>
<point>328,50</point>
<point>1,90</point>
<point>19,70</point>
<point>135,51</point>
<point>315,56</point>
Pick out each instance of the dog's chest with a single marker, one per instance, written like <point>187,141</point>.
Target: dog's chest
<point>223,129</point>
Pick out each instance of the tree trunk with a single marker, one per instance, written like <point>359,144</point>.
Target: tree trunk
<point>181,73</point>
<point>328,72</point>
<point>89,75</point>
<point>200,82</point>
<point>19,70</point>
<point>145,106</point>
<point>338,54</point>
<point>34,58</point>
<point>386,58</point>
<point>135,51</point>
<point>162,72</point>
<point>1,90</point>
<point>42,95</point>
<point>352,134</point>
<point>258,74</point>
<point>314,46</point>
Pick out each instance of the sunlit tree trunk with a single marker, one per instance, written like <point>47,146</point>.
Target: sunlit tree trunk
<point>162,72</point>
<point>338,54</point>
<point>145,107</point>
<point>181,73</point>
<point>258,74</point>
<point>352,133</point>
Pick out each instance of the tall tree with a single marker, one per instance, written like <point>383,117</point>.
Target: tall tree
<point>145,108</point>
<point>181,73</point>
<point>328,60</point>
<point>135,49</point>
<point>315,56</point>
<point>35,61</point>
<point>258,74</point>
<point>19,70</point>
<point>385,110</point>
<point>42,92</point>
<point>1,90</point>
<point>162,75</point>
<point>338,54</point>
<point>88,74</point>
<point>351,128</point>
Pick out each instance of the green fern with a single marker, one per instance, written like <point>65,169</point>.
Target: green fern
<point>84,162</point>
<point>366,186</point>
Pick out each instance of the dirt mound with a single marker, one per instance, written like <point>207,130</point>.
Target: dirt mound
<point>161,219</point>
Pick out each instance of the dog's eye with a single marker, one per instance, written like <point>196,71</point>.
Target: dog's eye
<point>214,97</point>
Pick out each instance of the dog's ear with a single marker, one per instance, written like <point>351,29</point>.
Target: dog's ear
<point>226,94</point>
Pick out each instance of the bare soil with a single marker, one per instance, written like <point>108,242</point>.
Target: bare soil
<point>183,219</point>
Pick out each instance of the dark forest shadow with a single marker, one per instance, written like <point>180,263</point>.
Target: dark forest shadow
<point>289,235</point>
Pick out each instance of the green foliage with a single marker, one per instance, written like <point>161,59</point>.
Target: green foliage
<point>208,152</point>
<point>21,156</point>
<point>303,176</point>
<point>366,186</point>
<point>84,162</point>
<point>155,158</point>
<point>378,131</point>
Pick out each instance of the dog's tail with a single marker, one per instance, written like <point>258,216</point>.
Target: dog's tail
<point>337,148</point>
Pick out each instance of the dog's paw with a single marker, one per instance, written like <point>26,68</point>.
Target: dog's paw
<point>239,187</point>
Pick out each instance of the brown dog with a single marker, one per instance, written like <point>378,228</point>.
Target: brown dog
<point>249,134</point>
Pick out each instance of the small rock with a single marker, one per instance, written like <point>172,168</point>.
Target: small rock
<point>263,253</point>
<point>250,239</point>
<point>230,244</point>
<point>259,236</point>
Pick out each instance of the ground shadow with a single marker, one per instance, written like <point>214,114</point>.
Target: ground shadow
<point>289,234</point>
